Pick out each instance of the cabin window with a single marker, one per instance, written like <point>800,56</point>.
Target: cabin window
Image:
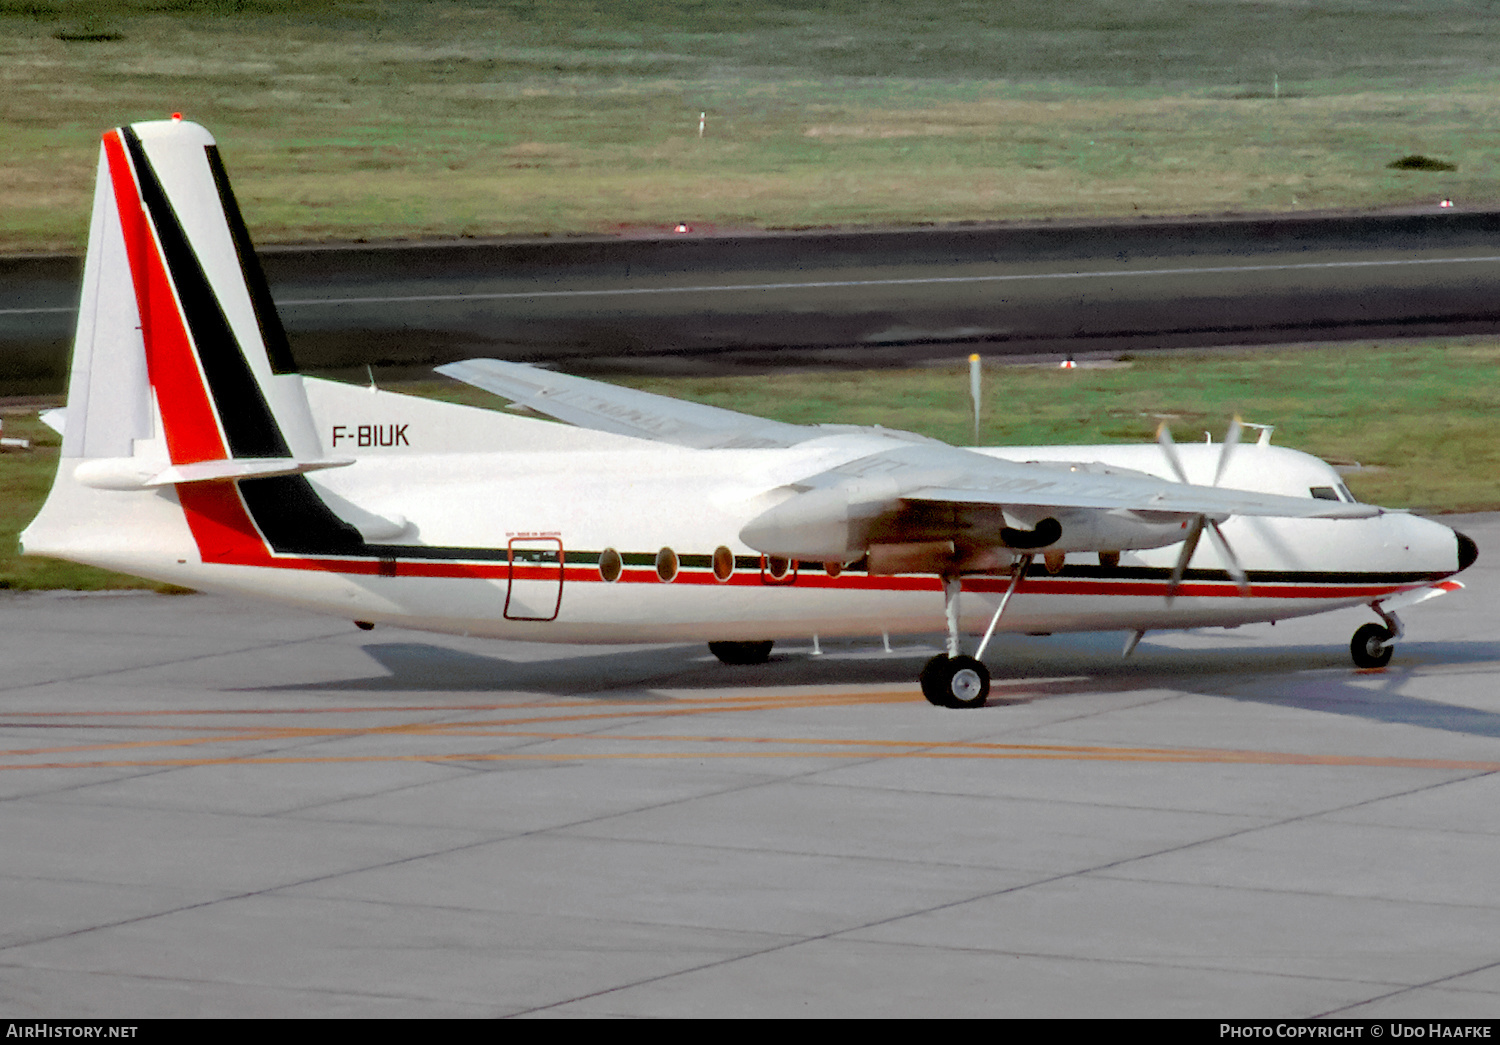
<point>723,563</point>
<point>1324,493</point>
<point>610,565</point>
<point>666,565</point>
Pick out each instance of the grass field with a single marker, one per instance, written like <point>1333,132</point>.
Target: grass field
<point>1419,417</point>
<point>397,118</point>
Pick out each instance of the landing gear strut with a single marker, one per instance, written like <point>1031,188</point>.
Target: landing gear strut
<point>953,679</point>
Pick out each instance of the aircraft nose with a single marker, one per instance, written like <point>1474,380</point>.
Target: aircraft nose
<point>1468,551</point>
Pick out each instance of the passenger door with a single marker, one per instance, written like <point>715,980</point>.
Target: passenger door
<point>534,591</point>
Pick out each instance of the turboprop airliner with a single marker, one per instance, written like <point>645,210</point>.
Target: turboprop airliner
<point>194,453</point>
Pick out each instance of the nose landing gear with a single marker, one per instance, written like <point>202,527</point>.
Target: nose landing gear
<point>1372,646</point>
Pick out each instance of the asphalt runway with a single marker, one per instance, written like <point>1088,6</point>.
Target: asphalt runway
<point>221,809</point>
<point>831,298</point>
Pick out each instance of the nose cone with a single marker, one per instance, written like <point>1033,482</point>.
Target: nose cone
<point>1468,551</point>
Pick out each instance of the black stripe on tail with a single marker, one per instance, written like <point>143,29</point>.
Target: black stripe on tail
<point>249,426</point>
<point>272,333</point>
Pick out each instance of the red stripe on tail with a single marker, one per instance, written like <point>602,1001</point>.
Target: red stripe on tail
<point>221,527</point>
<point>190,425</point>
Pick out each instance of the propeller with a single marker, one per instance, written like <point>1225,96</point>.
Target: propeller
<point>1201,523</point>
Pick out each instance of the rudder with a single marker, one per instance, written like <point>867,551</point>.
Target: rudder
<point>175,301</point>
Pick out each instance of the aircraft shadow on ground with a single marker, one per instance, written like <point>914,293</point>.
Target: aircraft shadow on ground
<point>1376,695</point>
<point>1311,677</point>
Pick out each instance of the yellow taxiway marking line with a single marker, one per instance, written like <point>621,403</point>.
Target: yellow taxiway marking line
<point>668,704</point>
<point>662,700</point>
<point>805,747</point>
<point>225,734</point>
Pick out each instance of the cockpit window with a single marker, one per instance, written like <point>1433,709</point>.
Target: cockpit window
<point>1345,494</point>
<point>1325,493</point>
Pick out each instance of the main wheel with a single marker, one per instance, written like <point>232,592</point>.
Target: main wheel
<point>742,652</point>
<point>1369,648</point>
<point>955,682</point>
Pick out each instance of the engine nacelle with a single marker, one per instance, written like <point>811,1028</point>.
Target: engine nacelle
<point>1092,529</point>
<point>828,525</point>
<point>843,523</point>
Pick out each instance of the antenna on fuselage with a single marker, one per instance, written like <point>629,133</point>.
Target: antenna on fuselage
<point>1265,432</point>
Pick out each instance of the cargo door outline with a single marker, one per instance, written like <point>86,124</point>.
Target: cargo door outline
<point>534,584</point>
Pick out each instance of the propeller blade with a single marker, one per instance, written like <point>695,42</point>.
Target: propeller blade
<point>974,378</point>
<point>1231,561</point>
<point>1231,440</point>
<point>1189,546</point>
<point>1169,448</point>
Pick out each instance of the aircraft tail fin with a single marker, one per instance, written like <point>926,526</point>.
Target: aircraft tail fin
<point>178,341</point>
<point>182,394</point>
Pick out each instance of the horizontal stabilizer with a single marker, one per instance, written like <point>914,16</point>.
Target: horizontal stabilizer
<point>129,473</point>
<point>54,419</point>
<point>241,468</point>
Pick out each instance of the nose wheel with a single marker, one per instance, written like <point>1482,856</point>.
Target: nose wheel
<point>955,682</point>
<point>1372,647</point>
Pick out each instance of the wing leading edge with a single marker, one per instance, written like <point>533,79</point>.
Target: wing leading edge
<point>943,493</point>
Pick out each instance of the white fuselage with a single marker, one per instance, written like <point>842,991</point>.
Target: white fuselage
<point>516,541</point>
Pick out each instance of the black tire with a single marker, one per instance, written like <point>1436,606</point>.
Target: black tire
<point>1371,646</point>
<point>955,682</point>
<point>742,652</point>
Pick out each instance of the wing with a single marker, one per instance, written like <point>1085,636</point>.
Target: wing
<point>910,489</point>
<point>936,493</point>
<point>625,411</point>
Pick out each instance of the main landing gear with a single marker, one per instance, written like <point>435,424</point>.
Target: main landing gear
<point>955,682</point>
<point>953,679</point>
<point>742,652</point>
